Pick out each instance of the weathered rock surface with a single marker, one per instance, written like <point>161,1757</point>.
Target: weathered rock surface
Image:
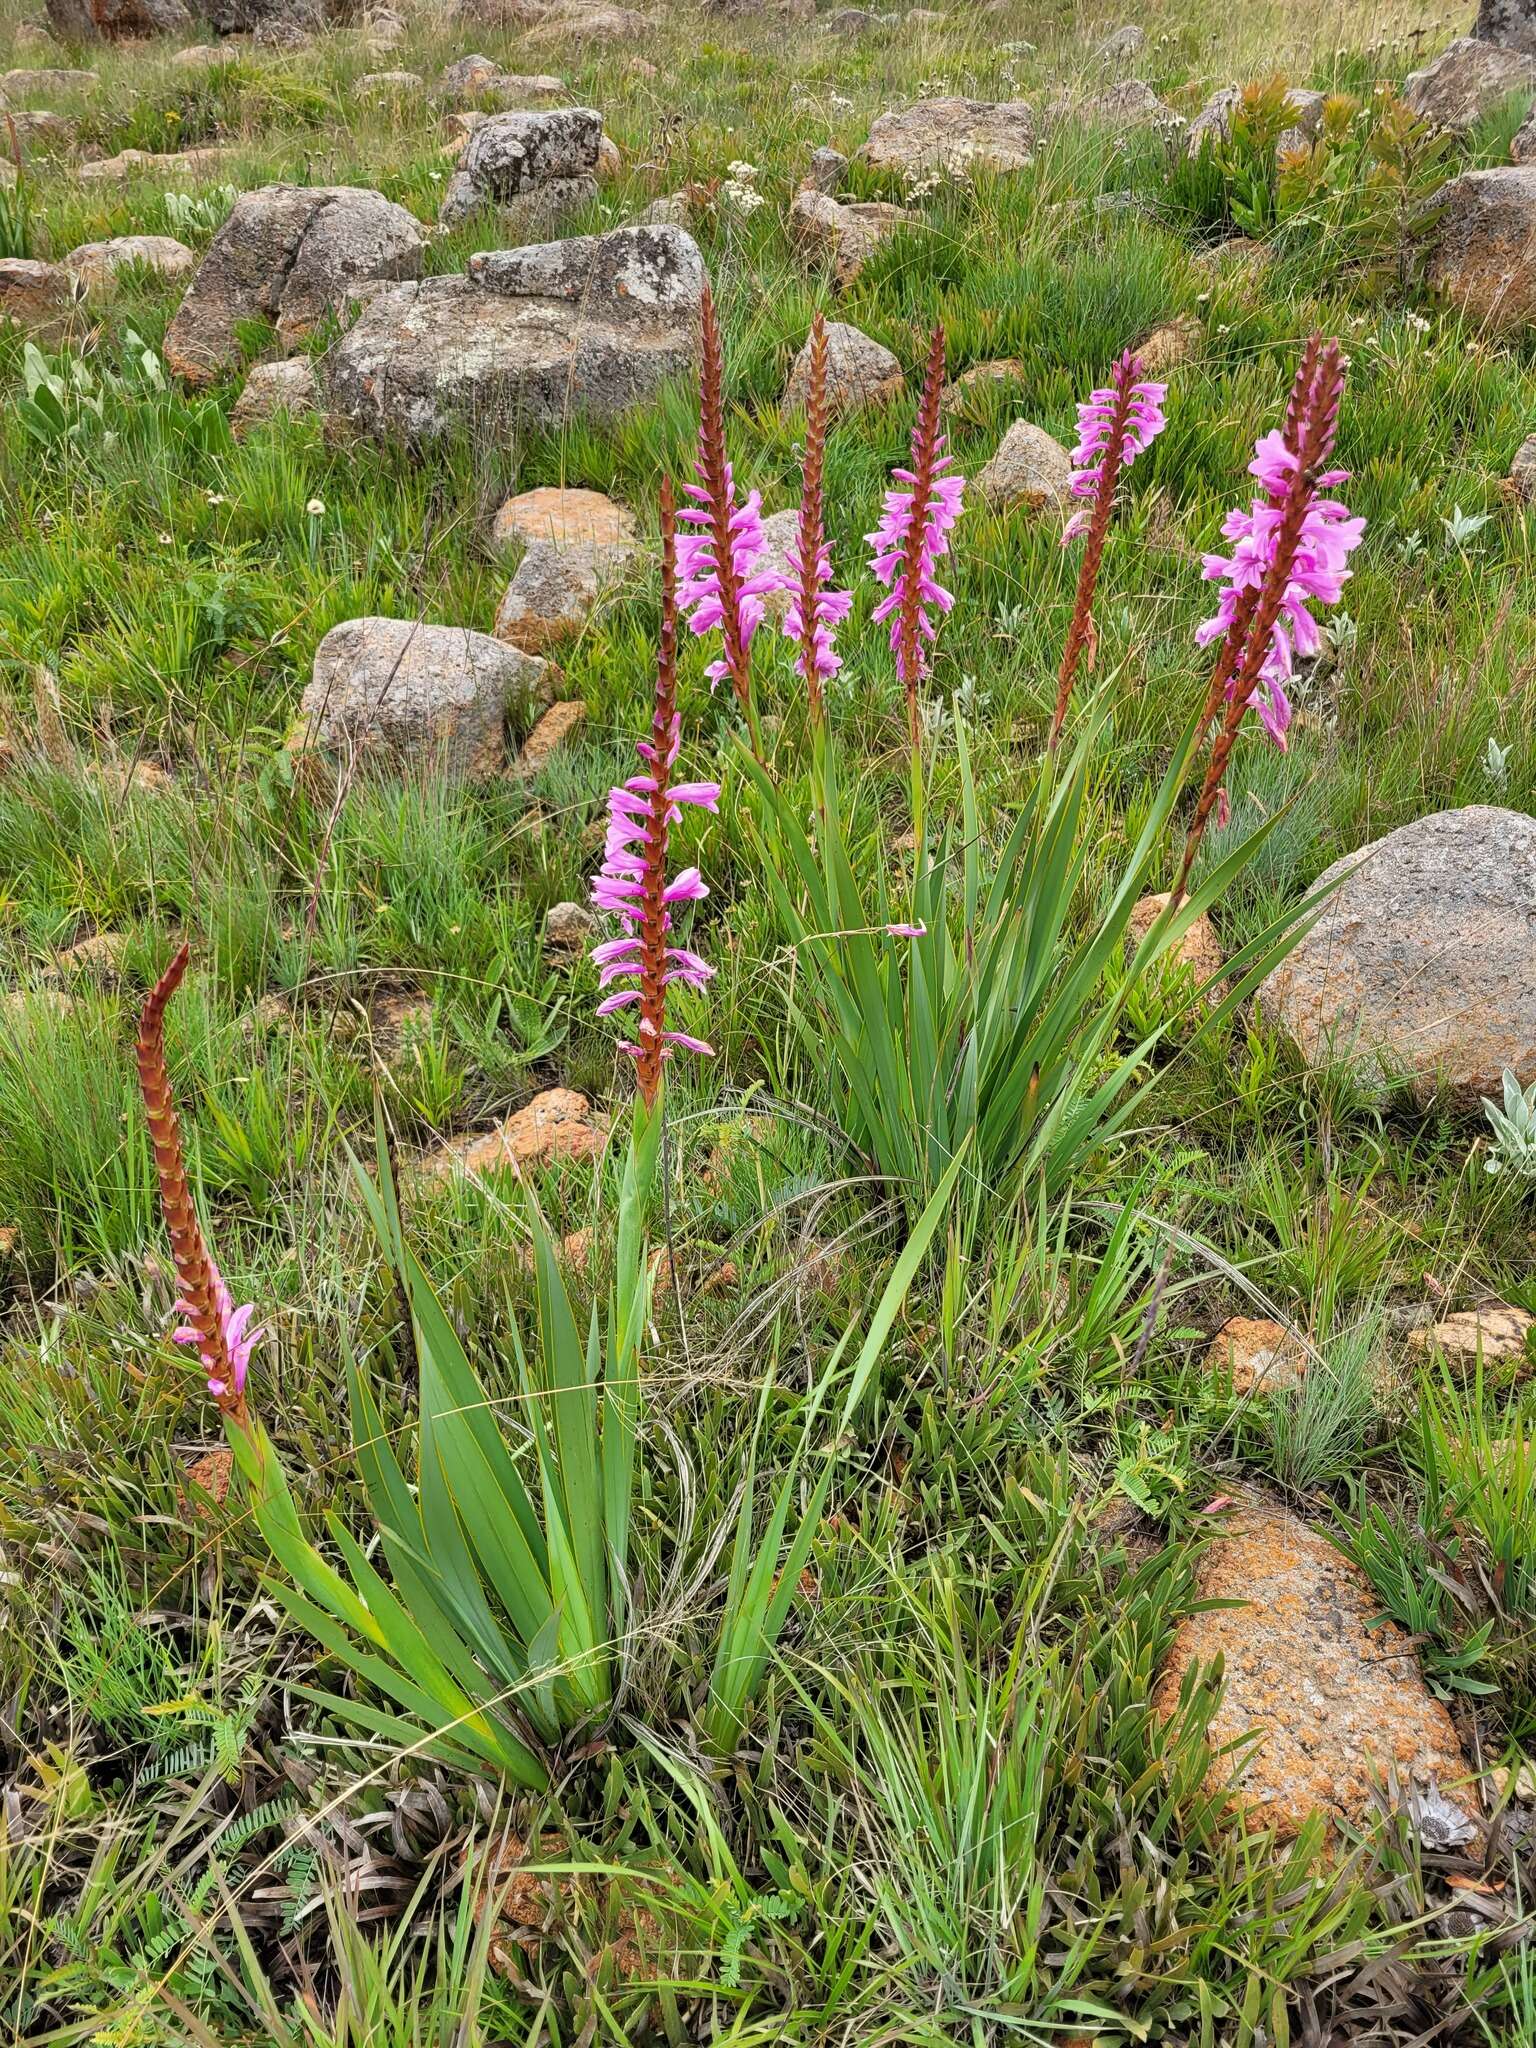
<point>1261,1356</point>
<point>468,76</point>
<point>110,21</point>
<point>1467,81</point>
<point>1483,257</point>
<point>1122,46</point>
<point>1522,144</point>
<point>1423,962</point>
<point>1522,472</point>
<point>1496,1334</point>
<point>1509,22</point>
<point>1119,108</point>
<point>825,172</point>
<point>532,167</point>
<point>553,593</point>
<point>428,696</point>
<point>1030,468</point>
<point>1170,346</point>
<point>1333,1692</point>
<point>972,389</point>
<point>17,87</point>
<point>591,325</point>
<point>569,928</point>
<point>952,135</point>
<point>557,1124</point>
<point>95,264</point>
<point>288,254</point>
<point>779,530</point>
<point>850,22</point>
<point>593,25</point>
<point>187,164</point>
<point>844,236</point>
<point>37,297</point>
<point>1213,123</point>
<point>38,132</point>
<point>289,386</point>
<point>565,518</point>
<point>556,728</point>
<point>860,372</point>
<point>1199,950</point>
<point>389,85</point>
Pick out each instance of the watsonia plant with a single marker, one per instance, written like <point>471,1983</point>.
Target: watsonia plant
<point>504,1621</point>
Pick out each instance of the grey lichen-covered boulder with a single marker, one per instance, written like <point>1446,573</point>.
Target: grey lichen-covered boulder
<point>1467,81</point>
<point>590,325</point>
<point>531,167</point>
<point>1510,22</point>
<point>288,254</point>
<point>430,697</point>
<point>1483,254</point>
<point>1422,965</point>
<point>954,136</point>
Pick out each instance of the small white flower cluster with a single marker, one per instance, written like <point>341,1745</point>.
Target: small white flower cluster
<point>739,191</point>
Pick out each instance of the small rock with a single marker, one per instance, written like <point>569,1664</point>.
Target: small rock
<point>1029,469</point>
<point>1238,256</point>
<point>1121,108</point>
<point>1494,1334</point>
<point>288,387</point>
<point>37,131</point>
<point>98,958</point>
<point>609,161</point>
<point>844,236</point>
<point>860,372</point>
<point>825,172</point>
<point>569,929</point>
<point>1395,973</point>
<point>553,593</point>
<point>206,56</point>
<point>532,167</point>
<point>389,85</point>
<point>1333,1691</point>
<point>16,86</point>
<point>1522,471</point>
<point>1199,950</point>
<point>1170,346</point>
<point>558,1124</point>
<point>566,518</point>
<point>468,76</point>
<point>434,696</point>
<point>850,21</point>
<point>287,254</point>
<point>554,730</point>
<point>207,1483</point>
<point>1480,258</point>
<point>37,297</point>
<point>973,385</point>
<point>1467,81</point>
<point>1213,123</point>
<point>94,265</point>
<point>1124,44</point>
<point>952,135</point>
<point>779,530</point>
<point>1261,1356</point>
<point>188,164</point>
<point>924,18</point>
<point>673,210</point>
<point>594,25</point>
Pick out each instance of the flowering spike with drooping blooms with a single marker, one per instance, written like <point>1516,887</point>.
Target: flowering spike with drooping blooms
<point>1319,566</point>
<point>815,610</point>
<point>221,1332</point>
<point>632,882</point>
<point>913,534</point>
<point>1115,424</point>
<point>1292,549</point>
<point>718,584</point>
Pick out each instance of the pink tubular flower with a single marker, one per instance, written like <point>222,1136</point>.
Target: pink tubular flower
<point>815,611</point>
<point>913,535</point>
<point>239,1339</point>
<point>632,884</point>
<point>1317,573</point>
<point>1141,403</point>
<point>699,594</point>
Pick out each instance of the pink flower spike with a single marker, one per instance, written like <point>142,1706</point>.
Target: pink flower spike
<point>907,931</point>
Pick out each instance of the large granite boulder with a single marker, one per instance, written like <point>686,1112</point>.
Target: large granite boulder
<point>1483,254</point>
<point>1509,22</point>
<point>1467,81</point>
<point>1332,1692</point>
<point>532,167</point>
<point>1422,964</point>
<point>590,325</point>
<point>428,697</point>
<point>288,254</point>
<point>954,136</point>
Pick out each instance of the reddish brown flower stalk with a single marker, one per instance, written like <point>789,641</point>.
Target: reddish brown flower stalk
<point>926,448</point>
<point>719,502</point>
<point>1232,646</point>
<point>812,524</point>
<point>204,1297</point>
<point>1314,419</point>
